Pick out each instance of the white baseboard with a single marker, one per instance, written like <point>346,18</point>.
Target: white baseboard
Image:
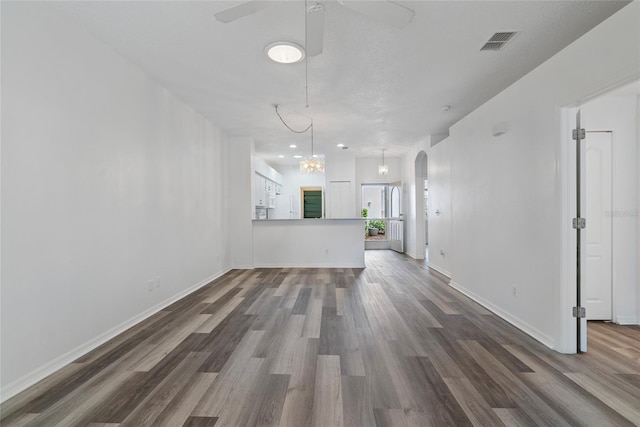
<point>627,320</point>
<point>439,270</point>
<point>410,253</point>
<point>515,321</point>
<point>49,368</point>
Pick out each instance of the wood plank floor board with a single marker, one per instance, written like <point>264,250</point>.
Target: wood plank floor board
<point>327,396</point>
<point>379,381</point>
<point>356,402</point>
<point>435,397</point>
<point>153,405</point>
<point>569,399</point>
<point>388,345</point>
<point>217,305</point>
<point>270,408</point>
<point>302,302</point>
<point>473,404</point>
<point>179,409</point>
<point>526,399</point>
<point>200,422</point>
<point>633,379</point>
<point>476,373</point>
<point>511,417</point>
<point>298,403</point>
<point>613,396</point>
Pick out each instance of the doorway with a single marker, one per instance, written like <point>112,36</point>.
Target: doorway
<point>598,181</point>
<point>312,202</point>
<point>609,161</point>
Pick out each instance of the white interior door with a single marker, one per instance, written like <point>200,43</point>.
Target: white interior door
<point>395,223</point>
<point>597,280</point>
<point>340,205</point>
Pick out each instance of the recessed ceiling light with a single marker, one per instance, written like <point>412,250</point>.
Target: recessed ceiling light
<point>285,52</point>
<point>281,156</point>
<point>297,156</point>
<point>293,146</point>
<point>340,145</point>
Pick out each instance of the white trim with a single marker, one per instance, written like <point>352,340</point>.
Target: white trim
<point>627,320</point>
<point>49,368</point>
<point>411,254</point>
<point>566,337</point>
<point>439,270</point>
<point>515,321</point>
<point>242,267</point>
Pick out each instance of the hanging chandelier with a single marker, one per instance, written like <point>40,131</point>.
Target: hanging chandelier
<point>311,164</point>
<point>383,169</point>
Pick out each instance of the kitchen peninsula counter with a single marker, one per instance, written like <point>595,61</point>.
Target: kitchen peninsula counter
<point>309,243</point>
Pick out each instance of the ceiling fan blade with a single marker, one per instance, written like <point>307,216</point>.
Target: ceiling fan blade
<point>315,30</point>
<point>241,10</point>
<point>387,12</point>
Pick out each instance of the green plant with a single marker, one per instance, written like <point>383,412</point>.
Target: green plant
<point>365,212</point>
<point>376,223</point>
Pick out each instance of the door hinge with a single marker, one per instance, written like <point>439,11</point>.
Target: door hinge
<point>579,223</point>
<point>580,312</point>
<point>583,134</point>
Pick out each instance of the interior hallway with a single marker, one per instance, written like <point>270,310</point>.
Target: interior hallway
<point>388,345</point>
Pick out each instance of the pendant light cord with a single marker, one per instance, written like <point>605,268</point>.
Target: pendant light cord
<point>311,139</point>
<point>306,56</point>
<point>306,85</point>
<point>289,127</point>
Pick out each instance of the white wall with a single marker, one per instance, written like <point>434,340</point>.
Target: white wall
<point>240,201</point>
<point>508,210</point>
<point>620,115</point>
<point>440,201</point>
<point>638,210</point>
<point>408,202</point>
<point>108,181</point>
<point>341,166</point>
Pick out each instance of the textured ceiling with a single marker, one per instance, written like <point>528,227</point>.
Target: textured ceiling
<point>373,87</point>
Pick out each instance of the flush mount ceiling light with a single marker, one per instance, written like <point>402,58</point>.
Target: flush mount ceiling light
<point>285,52</point>
<point>293,146</point>
<point>383,169</point>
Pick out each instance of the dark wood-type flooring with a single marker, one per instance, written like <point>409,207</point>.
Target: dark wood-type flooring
<point>391,344</point>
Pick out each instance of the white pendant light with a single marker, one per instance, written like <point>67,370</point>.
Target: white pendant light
<point>383,169</point>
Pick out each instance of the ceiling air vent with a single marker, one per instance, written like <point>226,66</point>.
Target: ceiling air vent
<point>498,40</point>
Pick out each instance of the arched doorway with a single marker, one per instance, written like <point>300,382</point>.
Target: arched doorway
<point>422,228</point>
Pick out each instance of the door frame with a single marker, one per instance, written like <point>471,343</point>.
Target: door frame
<point>567,325</point>
<point>302,190</point>
<point>421,173</point>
